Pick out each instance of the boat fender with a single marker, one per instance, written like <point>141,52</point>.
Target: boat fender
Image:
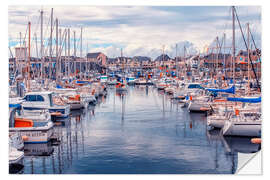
<point>25,138</point>
<point>237,112</point>
<point>256,140</point>
<point>56,113</point>
<point>93,92</point>
<point>77,97</point>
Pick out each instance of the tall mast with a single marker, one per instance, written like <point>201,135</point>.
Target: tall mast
<point>20,54</point>
<point>248,41</point>
<point>56,49</point>
<point>29,57</point>
<point>255,74</point>
<point>81,57</point>
<point>233,43</point>
<point>224,56</point>
<point>176,67</point>
<point>163,69</point>
<point>163,53</point>
<point>122,59</point>
<point>36,50</point>
<point>65,59</point>
<point>20,39</point>
<point>69,52</point>
<point>36,44</point>
<point>87,63</point>
<point>50,63</point>
<point>74,52</point>
<point>41,44</point>
<point>185,62</point>
<point>60,57</point>
<point>217,55</point>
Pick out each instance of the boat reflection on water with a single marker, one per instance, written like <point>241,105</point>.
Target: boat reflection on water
<point>234,144</point>
<point>43,149</point>
<point>234,147</point>
<point>51,158</point>
<point>16,168</point>
<point>76,113</point>
<point>120,128</point>
<point>240,144</point>
<point>216,138</point>
<point>214,135</point>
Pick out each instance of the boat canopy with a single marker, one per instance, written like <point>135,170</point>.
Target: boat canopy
<point>82,82</point>
<point>192,86</point>
<point>246,100</point>
<point>16,106</point>
<point>59,86</point>
<point>229,90</point>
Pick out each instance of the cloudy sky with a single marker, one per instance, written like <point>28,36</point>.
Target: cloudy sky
<point>138,30</point>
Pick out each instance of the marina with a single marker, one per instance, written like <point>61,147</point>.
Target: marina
<point>161,136</point>
<point>94,114</point>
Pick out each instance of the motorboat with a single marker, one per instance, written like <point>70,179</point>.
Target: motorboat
<point>44,100</point>
<point>34,126</point>
<point>131,80</point>
<point>73,99</point>
<point>199,104</point>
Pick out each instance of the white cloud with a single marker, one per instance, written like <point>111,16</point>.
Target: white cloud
<point>139,30</point>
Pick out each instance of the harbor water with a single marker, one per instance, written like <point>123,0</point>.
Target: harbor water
<point>139,132</point>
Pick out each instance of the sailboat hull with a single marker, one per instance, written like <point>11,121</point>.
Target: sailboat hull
<point>245,128</point>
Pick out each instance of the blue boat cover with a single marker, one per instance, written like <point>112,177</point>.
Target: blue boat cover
<point>229,90</point>
<point>82,82</point>
<point>15,106</point>
<point>58,86</point>
<point>195,86</point>
<point>247,100</point>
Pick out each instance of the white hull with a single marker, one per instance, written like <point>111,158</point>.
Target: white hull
<point>198,106</point>
<point>242,128</point>
<point>216,121</point>
<point>15,156</point>
<point>15,140</point>
<point>35,134</point>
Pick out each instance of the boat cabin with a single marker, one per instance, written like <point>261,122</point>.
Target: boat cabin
<point>38,99</point>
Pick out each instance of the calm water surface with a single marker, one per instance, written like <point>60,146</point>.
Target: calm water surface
<point>140,132</point>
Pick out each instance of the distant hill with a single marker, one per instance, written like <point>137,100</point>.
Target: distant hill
<point>142,58</point>
<point>162,57</point>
